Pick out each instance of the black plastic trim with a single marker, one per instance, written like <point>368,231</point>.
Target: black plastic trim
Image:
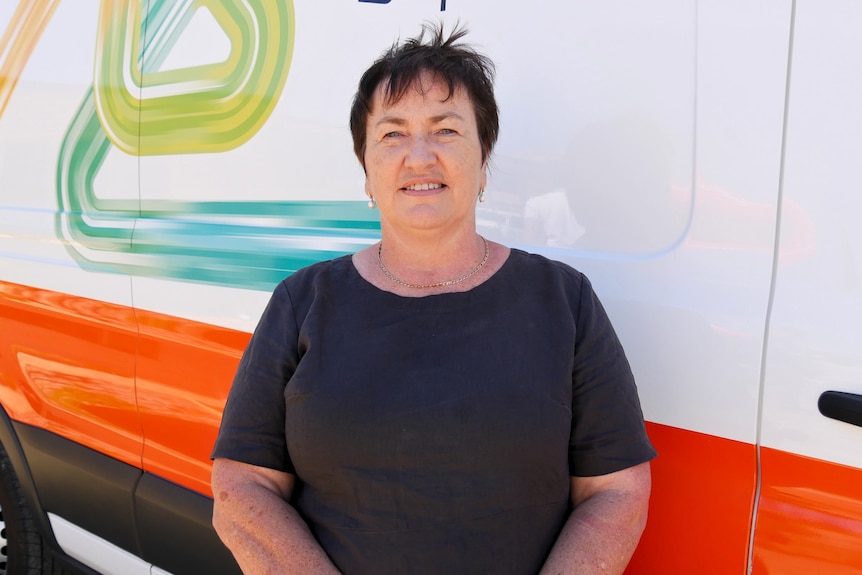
<point>175,526</point>
<point>83,486</point>
<point>9,439</point>
<point>843,406</point>
<point>161,522</point>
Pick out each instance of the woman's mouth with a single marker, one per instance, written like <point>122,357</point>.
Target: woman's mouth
<point>422,187</point>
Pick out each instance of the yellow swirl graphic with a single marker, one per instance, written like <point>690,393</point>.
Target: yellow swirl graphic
<point>208,108</point>
<point>21,36</point>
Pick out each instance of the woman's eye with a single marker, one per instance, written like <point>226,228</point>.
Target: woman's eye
<point>391,135</point>
<point>446,132</point>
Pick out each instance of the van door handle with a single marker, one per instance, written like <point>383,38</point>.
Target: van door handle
<point>842,406</point>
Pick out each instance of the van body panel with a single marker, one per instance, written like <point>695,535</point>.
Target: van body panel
<point>68,364</point>
<point>815,337</point>
<point>185,370</point>
<point>83,485</point>
<point>700,506</point>
<point>809,517</point>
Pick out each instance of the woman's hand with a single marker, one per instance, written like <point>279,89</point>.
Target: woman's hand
<point>253,518</point>
<point>601,534</point>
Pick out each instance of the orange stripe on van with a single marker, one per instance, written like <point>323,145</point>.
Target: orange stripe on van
<point>185,370</point>
<point>700,508</point>
<point>67,364</point>
<point>810,517</point>
<point>107,376</point>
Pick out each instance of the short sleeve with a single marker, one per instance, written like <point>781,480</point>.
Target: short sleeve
<point>608,432</point>
<point>252,426</point>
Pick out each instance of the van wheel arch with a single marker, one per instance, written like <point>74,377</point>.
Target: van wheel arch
<point>24,551</point>
<point>30,547</point>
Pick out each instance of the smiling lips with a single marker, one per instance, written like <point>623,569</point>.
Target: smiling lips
<point>423,187</point>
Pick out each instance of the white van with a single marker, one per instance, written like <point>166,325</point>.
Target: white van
<point>163,164</point>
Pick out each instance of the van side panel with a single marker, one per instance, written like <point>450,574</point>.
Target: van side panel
<point>814,332</point>
<point>185,369</point>
<point>82,485</point>
<point>68,364</point>
<point>163,523</point>
<point>810,517</point>
<point>175,530</point>
<point>700,505</point>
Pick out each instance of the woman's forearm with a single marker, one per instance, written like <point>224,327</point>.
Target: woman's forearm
<point>265,534</point>
<point>604,528</point>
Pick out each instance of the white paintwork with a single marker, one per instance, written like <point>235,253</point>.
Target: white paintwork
<point>240,309</point>
<point>815,340</point>
<point>96,553</point>
<point>692,317</point>
<point>51,88</point>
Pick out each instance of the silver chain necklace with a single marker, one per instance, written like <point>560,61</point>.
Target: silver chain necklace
<point>434,285</point>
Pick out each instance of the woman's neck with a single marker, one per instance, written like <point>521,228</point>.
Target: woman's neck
<point>430,258</point>
<point>418,268</point>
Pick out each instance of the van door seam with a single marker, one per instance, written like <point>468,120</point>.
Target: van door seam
<point>772,286</point>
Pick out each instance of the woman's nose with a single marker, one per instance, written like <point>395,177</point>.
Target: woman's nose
<point>420,153</point>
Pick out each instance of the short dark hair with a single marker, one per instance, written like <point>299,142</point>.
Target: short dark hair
<point>457,64</point>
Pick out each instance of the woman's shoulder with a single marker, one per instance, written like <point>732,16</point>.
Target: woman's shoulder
<point>537,265</point>
<point>540,281</point>
<point>337,273</point>
<point>319,270</point>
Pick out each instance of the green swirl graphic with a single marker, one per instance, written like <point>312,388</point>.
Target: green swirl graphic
<point>241,244</point>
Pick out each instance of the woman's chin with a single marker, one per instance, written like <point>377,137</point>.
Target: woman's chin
<point>425,217</point>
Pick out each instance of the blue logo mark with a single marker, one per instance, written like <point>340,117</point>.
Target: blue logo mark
<point>442,3</point>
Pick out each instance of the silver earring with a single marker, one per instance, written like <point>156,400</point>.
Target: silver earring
<point>482,195</point>
<point>371,203</point>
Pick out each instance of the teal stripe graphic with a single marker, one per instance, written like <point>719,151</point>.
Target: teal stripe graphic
<point>248,244</point>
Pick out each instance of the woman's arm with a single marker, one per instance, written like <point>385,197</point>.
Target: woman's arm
<point>252,516</point>
<point>601,534</point>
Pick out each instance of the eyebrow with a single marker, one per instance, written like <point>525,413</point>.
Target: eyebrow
<point>398,121</point>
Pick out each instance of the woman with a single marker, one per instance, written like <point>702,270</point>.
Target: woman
<point>436,403</point>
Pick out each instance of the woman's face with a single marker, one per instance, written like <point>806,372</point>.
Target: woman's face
<point>423,159</point>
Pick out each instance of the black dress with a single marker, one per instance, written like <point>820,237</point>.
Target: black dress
<point>435,435</point>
